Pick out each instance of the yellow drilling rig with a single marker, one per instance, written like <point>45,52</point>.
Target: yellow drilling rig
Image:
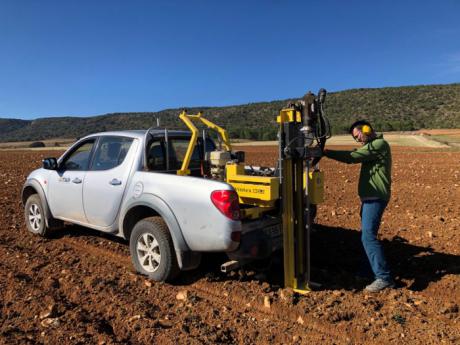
<point>293,189</point>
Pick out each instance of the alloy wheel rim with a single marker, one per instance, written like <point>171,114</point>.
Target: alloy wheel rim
<point>148,252</point>
<point>35,217</point>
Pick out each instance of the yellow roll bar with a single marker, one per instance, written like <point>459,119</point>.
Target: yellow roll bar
<point>188,120</point>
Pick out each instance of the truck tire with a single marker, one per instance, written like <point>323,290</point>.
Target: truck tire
<point>35,216</point>
<point>152,250</point>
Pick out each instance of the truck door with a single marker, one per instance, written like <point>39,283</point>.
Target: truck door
<point>107,177</point>
<point>65,191</point>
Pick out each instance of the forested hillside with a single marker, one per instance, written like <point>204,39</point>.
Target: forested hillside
<point>390,108</point>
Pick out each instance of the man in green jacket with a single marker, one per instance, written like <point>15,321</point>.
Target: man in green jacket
<point>374,190</point>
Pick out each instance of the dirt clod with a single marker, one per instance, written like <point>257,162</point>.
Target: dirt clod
<point>182,295</point>
<point>50,322</point>
<point>49,312</point>
<point>267,302</point>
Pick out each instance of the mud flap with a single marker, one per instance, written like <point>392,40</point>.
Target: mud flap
<point>188,260</point>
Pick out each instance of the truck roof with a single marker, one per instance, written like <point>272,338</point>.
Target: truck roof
<point>140,133</point>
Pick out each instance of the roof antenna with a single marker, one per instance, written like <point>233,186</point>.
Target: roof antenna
<point>157,120</point>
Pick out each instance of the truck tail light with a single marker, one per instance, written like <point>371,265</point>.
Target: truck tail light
<point>226,202</point>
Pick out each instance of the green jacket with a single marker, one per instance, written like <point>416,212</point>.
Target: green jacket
<point>375,176</point>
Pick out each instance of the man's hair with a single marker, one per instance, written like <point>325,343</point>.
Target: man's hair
<point>360,123</point>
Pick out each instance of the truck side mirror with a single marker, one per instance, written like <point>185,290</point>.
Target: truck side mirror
<point>50,163</point>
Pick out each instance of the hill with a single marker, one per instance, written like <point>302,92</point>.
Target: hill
<point>389,108</point>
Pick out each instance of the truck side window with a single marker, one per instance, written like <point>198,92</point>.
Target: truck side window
<point>156,157</point>
<point>78,160</point>
<point>110,152</point>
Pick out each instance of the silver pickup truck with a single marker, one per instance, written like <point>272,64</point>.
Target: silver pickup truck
<point>125,183</point>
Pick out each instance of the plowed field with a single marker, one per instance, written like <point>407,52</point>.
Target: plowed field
<point>78,287</point>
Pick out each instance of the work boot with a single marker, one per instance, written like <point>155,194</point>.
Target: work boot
<point>379,285</point>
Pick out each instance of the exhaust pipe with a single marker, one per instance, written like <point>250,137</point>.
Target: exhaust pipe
<point>229,266</point>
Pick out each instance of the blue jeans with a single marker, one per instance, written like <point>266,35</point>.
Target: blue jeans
<point>371,215</point>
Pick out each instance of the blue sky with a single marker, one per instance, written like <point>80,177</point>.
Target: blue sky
<point>92,57</point>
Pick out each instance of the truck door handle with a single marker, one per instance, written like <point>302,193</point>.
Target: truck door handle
<point>115,182</point>
<point>76,180</point>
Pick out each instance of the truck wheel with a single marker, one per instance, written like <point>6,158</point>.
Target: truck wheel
<point>34,215</point>
<point>152,250</point>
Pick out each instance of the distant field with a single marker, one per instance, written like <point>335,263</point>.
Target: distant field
<point>438,138</point>
<point>435,138</point>
<point>51,144</point>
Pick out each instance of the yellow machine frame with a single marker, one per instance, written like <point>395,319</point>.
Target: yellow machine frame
<point>188,120</point>
<point>258,192</point>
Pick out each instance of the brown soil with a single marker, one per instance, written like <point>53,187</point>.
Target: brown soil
<point>79,286</point>
<point>439,131</point>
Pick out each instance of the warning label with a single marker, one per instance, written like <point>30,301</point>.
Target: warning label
<point>250,190</point>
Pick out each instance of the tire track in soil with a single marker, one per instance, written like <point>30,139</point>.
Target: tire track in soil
<point>206,292</point>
